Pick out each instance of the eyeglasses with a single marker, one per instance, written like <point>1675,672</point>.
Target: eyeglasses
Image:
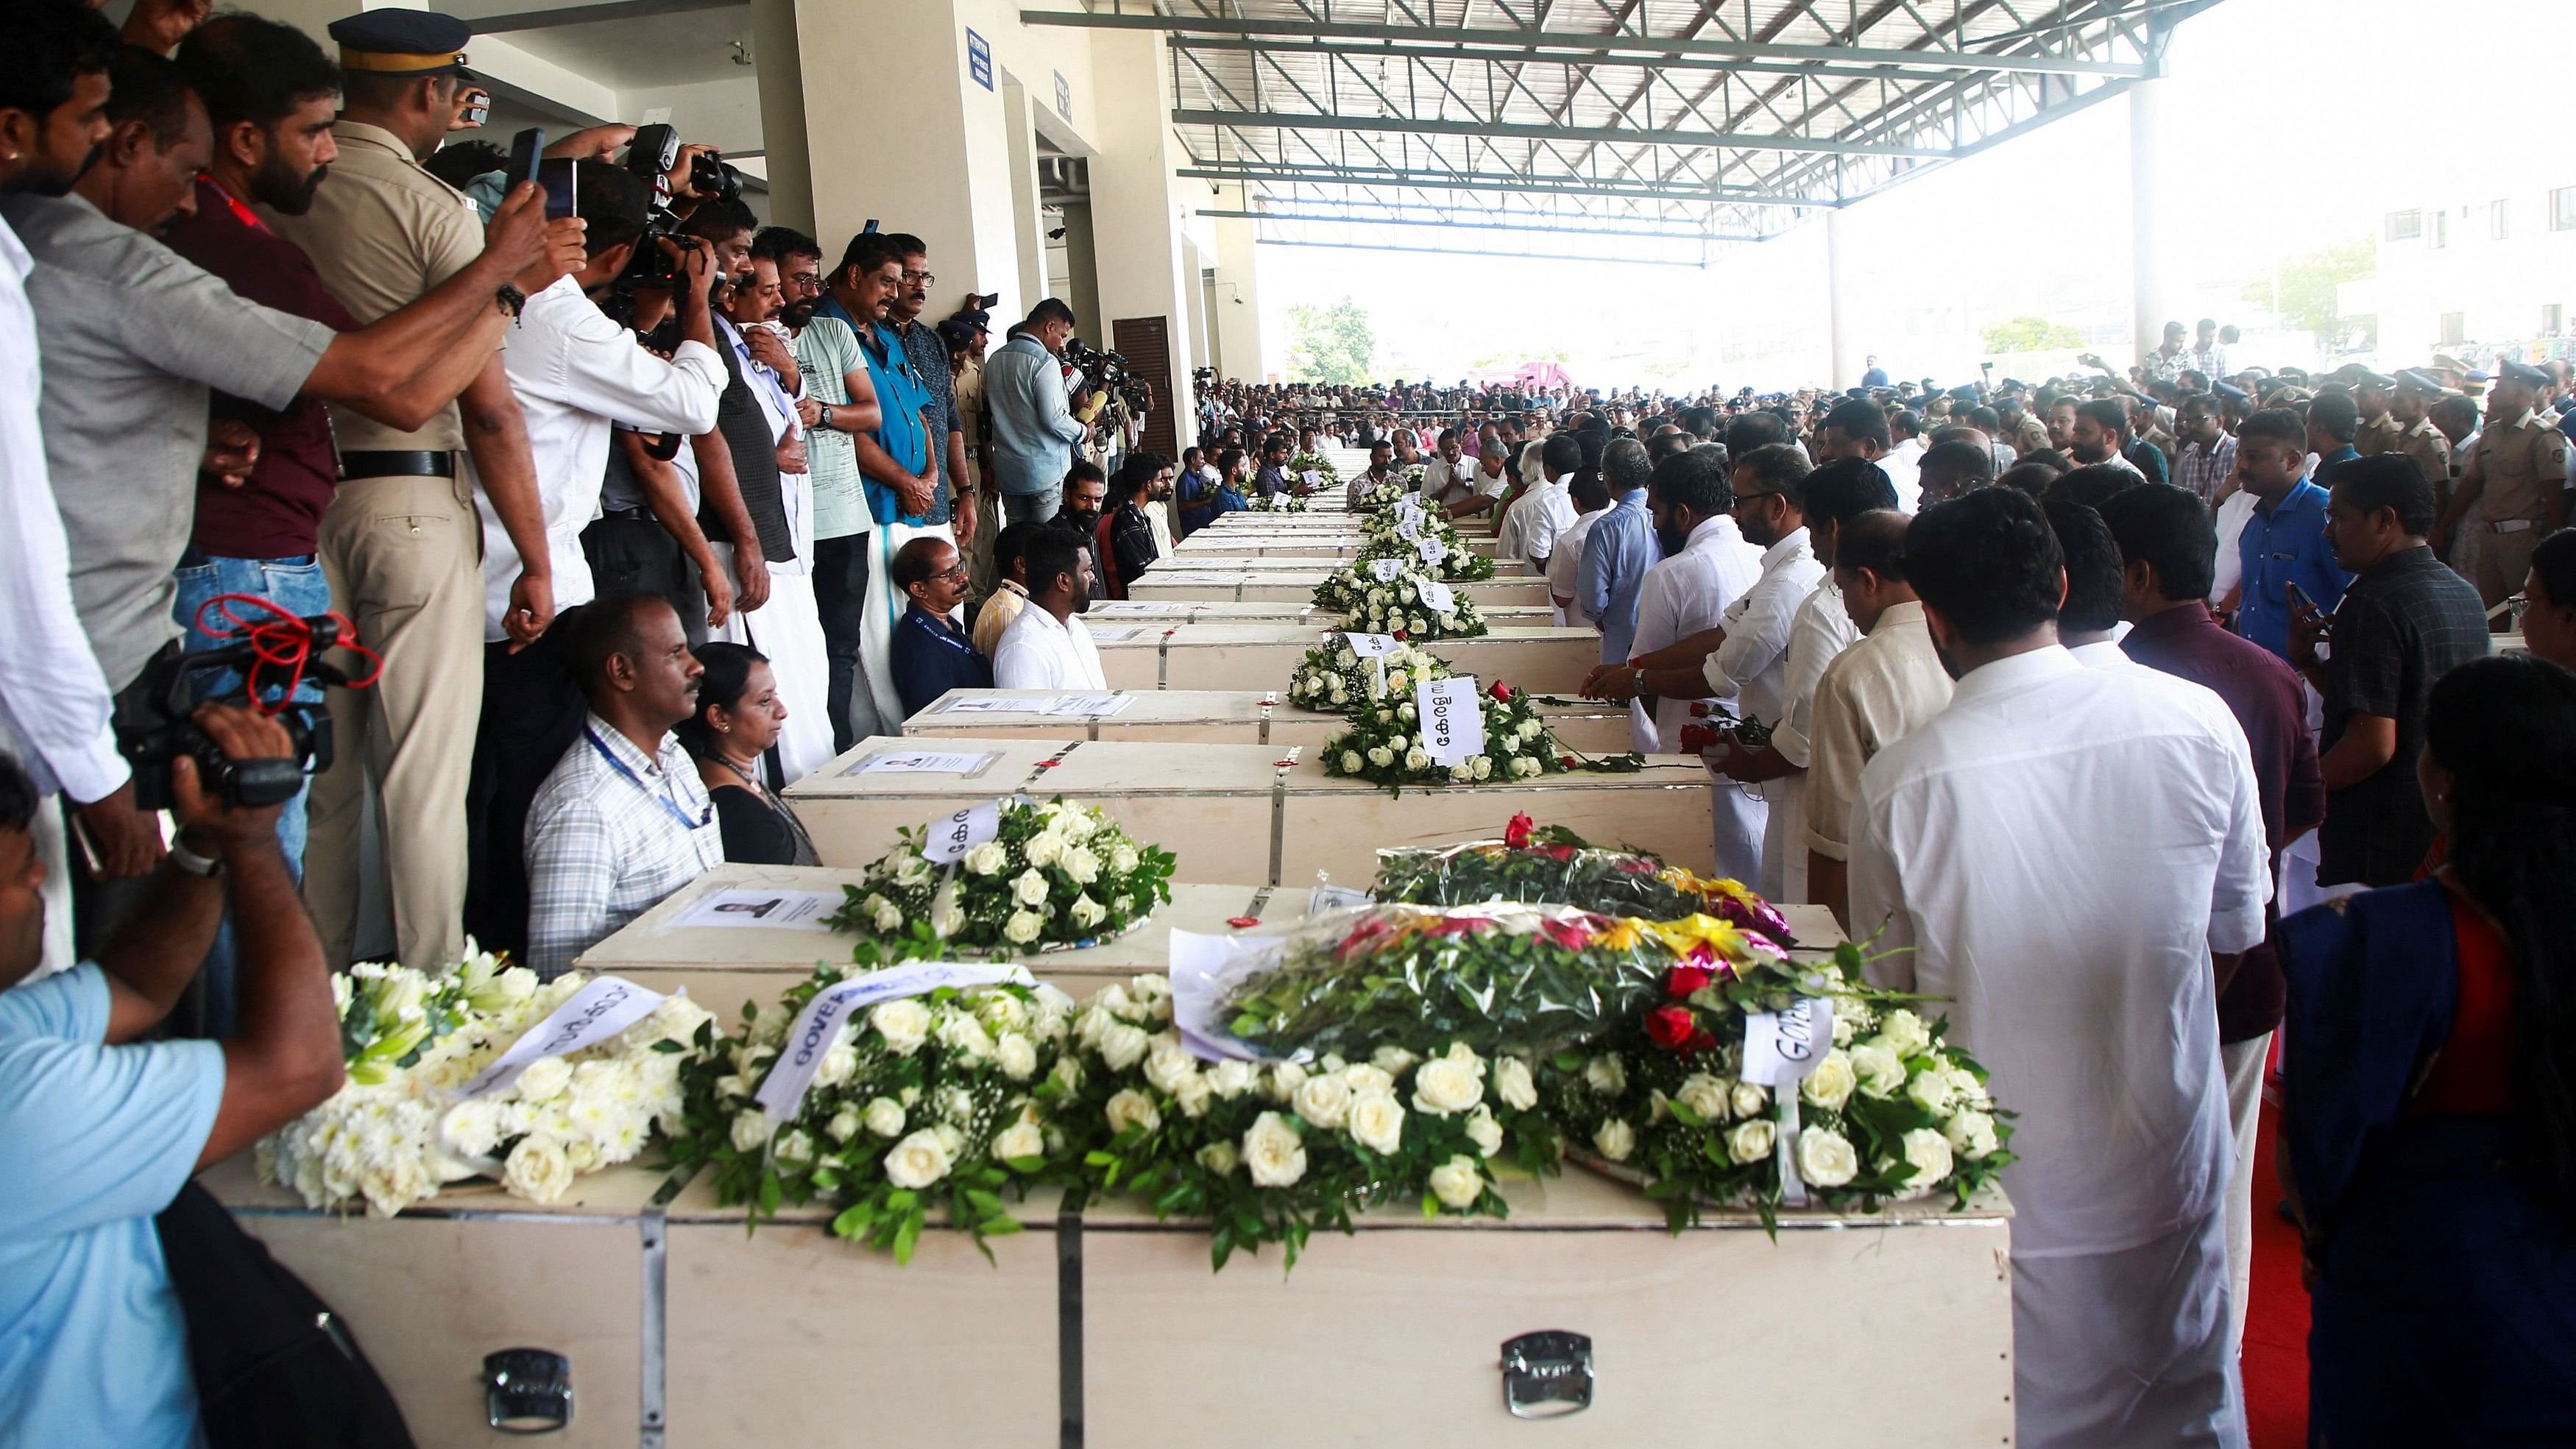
<point>920,279</point>
<point>954,573</point>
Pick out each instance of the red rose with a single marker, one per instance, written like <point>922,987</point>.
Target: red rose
<point>1671,1027</point>
<point>1681,981</point>
<point>1501,692</point>
<point>1517,834</point>
<point>1399,634</point>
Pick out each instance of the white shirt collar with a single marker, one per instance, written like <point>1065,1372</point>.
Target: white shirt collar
<point>14,252</point>
<point>2018,671</point>
<point>1788,550</point>
<point>1711,533</point>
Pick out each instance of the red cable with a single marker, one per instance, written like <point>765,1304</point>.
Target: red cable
<point>281,640</point>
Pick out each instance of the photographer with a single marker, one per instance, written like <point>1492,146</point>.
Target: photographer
<point>1034,427</point>
<point>101,1130</point>
<point>576,372</point>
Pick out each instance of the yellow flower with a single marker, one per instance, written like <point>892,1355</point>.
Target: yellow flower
<point>1622,934</point>
<point>1722,939</point>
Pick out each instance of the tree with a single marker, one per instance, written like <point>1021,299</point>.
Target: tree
<point>1331,344</point>
<point>2304,291</point>
<point>2030,334</point>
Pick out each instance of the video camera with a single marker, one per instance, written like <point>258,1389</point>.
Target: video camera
<point>153,728</point>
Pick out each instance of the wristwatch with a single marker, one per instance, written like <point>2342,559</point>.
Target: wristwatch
<point>511,297</point>
<point>825,417</point>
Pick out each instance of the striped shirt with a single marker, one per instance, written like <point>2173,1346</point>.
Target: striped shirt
<point>612,831</point>
<point>2206,470</point>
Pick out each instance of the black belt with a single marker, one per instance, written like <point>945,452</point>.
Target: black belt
<point>637,515</point>
<point>441,464</point>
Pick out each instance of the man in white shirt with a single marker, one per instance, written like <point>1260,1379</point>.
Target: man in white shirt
<point>1873,694</point>
<point>1048,647</point>
<point>1589,495</point>
<point>2060,854</point>
<point>54,698</point>
<point>576,372</point>
<point>1834,494</point>
<point>1903,462</point>
<point>1471,488</point>
<point>1533,522</point>
<point>2090,625</point>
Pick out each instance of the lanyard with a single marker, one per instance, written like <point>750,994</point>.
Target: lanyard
<point>659,798</point>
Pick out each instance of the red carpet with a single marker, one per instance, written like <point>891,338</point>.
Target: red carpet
<point>2275,1360</point>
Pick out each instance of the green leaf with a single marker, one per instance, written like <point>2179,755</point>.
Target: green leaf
<point>854,1221</point>
<point>906,1237</point>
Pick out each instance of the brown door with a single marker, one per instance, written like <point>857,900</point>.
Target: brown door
<point>1146,344</point>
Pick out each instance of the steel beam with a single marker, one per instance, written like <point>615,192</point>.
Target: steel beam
<point>1288,175</point>
<point>593,14</point>
<point>1237,214</point>
<point>1591,259</point>
<point>1506,130</point>
<point>1577,47</point>
<point>1519,55</point>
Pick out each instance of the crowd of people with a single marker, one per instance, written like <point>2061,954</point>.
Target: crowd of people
<point>628,511</point>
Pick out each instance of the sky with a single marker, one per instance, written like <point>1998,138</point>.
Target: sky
<point>2284,125</point>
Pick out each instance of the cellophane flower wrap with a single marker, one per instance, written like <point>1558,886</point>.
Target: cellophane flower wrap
<point>1384,745</point>
<point>398,1129</point>
<point>1334,679</point>
<point>1055,874</point>
<point>1892,1113</point>
<point>1266,1153</point>
<point>948,1099</point>
<point>1458,562</point>
<point>1394,606</point>
<point>1535,862</point>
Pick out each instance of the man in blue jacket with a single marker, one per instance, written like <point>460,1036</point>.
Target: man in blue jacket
<point>1033,422</point>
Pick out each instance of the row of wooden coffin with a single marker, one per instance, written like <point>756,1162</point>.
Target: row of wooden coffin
<point>1238,814</point>
<point>1100,1325</point>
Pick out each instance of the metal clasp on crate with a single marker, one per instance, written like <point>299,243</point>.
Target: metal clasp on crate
<point>527,1390</point>
<point>1547,1374</point>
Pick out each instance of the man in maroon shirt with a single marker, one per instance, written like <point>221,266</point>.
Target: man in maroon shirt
<point>271,94</point>
<point>2169,551</point>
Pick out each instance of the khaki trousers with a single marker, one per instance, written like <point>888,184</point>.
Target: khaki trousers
<point>404,557</point>
<point>2503,562</point>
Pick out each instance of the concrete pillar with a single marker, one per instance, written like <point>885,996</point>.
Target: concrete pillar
<point>781,74</point>
<point>897,129</point>
<point>1028,226</point>
<point>1841,307</point>
<point>2149,303</point>
<point>1238,327</point>
<point>1135,207</point>
<point>1082,276</point>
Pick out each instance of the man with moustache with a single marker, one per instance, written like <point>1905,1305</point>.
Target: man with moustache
<point>623,820</point>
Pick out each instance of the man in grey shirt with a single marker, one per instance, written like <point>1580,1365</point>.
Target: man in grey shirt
<point>134,337</point>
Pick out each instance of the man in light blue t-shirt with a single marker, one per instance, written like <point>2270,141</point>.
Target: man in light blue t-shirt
<point>100,1130</point>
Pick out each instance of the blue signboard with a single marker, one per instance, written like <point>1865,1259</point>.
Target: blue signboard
<point>979,59</point>
<point>1063,96</point>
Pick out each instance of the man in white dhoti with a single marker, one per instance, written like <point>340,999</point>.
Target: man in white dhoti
<point>2059,854</point>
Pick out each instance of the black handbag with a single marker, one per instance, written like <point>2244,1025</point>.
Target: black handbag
<point>275,1367</point>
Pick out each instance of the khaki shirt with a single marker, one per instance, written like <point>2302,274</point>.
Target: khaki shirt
<point>2382,434</point>
<point>2029,434</point>
<point>969,386</point>
<point>2524,463</point>
<point>382,233</point>
<point>2431,451</point>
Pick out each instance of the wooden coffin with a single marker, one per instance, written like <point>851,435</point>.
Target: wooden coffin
<point>1255,656</point>
<point>1262,717</point>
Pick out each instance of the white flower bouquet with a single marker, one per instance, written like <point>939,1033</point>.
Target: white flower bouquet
<point>947,1097</point>
<point>1458,562</point>
<point>1394,606</point>
<point>1268,1153</point>
<point>1384,744</point>
<point>1049,875</point>
<point>409,1119</point>
<point>1333,679</point>
<point>1378,496</point>
<point>1891,1113</point>
<point>1305,463</point>
<point>1278,503</point>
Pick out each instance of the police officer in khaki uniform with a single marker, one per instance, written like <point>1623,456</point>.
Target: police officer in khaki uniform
<point>2514,490</point>
<point>2412,407</point>
<point>2379,432</point>
<point>401,541</point>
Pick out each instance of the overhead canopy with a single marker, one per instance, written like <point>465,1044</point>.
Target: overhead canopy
<point>1692,121</point>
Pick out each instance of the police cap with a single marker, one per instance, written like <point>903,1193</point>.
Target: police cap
<point>401,42</point>
<point>2522,372</point>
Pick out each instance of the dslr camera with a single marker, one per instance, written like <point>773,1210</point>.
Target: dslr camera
<point>153,728</point>
<point>1101,371</point>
